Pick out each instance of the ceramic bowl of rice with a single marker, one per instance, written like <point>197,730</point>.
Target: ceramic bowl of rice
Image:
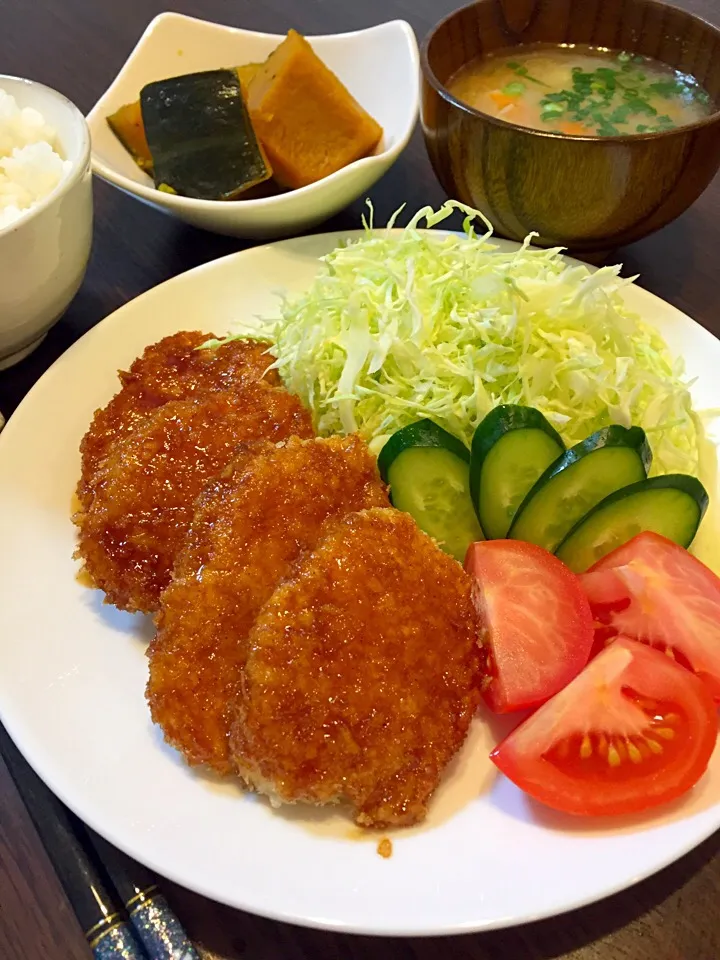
<point>45,211</point>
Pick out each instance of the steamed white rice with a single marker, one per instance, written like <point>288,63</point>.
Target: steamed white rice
<point>30,167</point>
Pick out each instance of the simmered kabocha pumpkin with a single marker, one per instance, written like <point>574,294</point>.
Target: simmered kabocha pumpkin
<point>126,123</point>
<point>201,140</point>
<point>223,134</point>
<point>308,122</point>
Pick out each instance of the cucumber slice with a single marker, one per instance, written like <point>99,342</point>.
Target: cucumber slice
<point>511,448</point>
<point>428,470</point>
<point>672,505</point>
<point>612,458</point>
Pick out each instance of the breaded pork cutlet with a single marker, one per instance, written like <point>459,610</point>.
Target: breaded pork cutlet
<point>362,673</point>
<point>210,507</point>
<point>145,489</point>
<point>244,539</point>
<point>172,369</point>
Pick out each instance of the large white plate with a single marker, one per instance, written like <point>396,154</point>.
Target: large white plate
<point>72,677</point>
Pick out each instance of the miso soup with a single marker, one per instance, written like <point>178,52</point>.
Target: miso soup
<point>581,90</point>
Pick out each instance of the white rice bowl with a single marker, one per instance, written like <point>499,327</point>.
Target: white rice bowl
<point>30,166</point>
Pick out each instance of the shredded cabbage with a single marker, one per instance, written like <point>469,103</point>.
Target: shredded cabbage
<point>400,325</point>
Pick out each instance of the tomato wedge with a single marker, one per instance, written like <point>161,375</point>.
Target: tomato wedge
<point>652,590</point>
<point>631,731</point>
<point>538,629</point>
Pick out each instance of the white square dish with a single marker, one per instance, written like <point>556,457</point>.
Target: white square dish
<point>369,62</point>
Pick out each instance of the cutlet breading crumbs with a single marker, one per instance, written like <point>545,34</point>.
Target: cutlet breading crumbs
<point>250,528</point>
<point>309,637</point>
<point>362,673</point>
<point>137,520</point>
<point>171,369</point>
<point>208,508</point>
<point>385,848</point>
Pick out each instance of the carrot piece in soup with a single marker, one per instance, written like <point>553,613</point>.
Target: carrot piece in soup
<point>502,100</point>
<point>574,128</point>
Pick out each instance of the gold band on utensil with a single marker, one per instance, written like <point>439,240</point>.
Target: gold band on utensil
<point>102,927</point>
<point>141,897</point>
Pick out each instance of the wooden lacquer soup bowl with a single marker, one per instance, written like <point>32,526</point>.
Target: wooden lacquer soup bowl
<point>590,194</point>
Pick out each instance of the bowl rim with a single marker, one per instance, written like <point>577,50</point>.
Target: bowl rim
<point>169,202</point>
<point>442,91</point>
<point>79,165</point>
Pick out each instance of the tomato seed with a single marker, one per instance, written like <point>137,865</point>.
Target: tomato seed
<point>665,732</point>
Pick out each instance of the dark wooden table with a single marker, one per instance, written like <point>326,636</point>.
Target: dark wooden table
<point>77,46</point>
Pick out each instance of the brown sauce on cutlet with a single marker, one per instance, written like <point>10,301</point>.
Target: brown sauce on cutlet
<point>362,674</point>
<point>131,532</point>
<point>171,369</point>
<point>246,536</point>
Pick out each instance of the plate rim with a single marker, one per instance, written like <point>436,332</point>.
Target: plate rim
<point>323,923</point>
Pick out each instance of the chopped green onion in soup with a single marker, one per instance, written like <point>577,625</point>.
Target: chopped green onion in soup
<point>581,90</point>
